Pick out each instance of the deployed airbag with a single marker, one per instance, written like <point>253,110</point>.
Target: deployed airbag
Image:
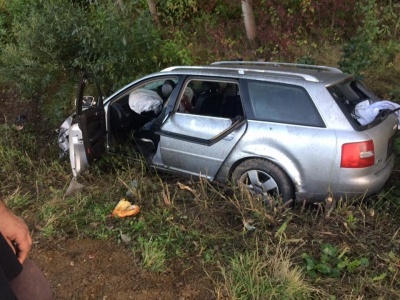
<point>142,100</point>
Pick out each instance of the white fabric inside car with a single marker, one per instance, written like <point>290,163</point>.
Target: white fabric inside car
<point>143,100</point>
<point>365,112</point>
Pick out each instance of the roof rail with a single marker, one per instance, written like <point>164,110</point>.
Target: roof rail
<point>277,64</point>
<point>272,72</point>
<point>243,70</point>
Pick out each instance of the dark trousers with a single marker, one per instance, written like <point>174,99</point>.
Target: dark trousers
<point>22,282</point>
<point>10,267</point>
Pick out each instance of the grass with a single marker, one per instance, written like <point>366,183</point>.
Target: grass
<point>265,275</point>
<point>153,254</point>
<point>251,251</point>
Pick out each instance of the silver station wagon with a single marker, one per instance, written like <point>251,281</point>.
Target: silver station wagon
<point>283,130</point>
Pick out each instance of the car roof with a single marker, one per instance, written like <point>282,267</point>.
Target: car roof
<point>254,69</point>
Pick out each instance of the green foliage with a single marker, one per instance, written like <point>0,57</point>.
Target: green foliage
<point>225,9</point>
<point>14,146</point>
<point>393,262</point>
<point>57,38</point>
<point>306,60</point>
<point>392,268</point>
<point>3,21</point>
<point>153,254</point>
<point>267,276</point>
<point>48,43</point>
<point>175,52</point>
<point>176,12</point>
<point>332,262</point>
<point>376,41</point>
<point>116,44</point>
<point>40,45</point>
<point>285,26</point>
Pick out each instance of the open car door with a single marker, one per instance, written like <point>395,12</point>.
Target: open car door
<point>87,134</point>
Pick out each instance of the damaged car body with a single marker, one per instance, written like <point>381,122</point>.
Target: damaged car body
<point>286,130</point>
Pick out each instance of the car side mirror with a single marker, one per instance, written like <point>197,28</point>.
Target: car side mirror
<point>87,102</point>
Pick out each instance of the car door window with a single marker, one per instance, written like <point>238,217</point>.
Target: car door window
<point>140,103</point>
<point>213,98</point>
<point>92,95</point>
<point>283,103</point>
<point>197,136</point>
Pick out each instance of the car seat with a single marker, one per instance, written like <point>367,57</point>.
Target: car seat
<point>166,89</point>
<point>231,105</point>
<point>211,100</point>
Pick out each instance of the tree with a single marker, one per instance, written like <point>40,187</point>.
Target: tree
<point>153,11</point>
<point>249,20</point>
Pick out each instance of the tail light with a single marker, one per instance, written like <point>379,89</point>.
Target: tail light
<point>358,155</point>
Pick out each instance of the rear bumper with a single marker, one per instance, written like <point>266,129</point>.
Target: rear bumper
<point>355,183</point>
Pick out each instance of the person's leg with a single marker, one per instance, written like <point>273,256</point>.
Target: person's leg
<point>10,268</point>
<point>5,289</point>
<point>31,283</point>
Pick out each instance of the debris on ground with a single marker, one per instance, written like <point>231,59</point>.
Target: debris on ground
<point>125,209</point>
<point>73,188</point>
<point>187,188</point>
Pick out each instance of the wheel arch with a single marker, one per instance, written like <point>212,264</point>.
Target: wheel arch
<point>242,160</point>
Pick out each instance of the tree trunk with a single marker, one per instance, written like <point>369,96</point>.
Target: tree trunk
<point>249,20</point>
<point>153,11</point>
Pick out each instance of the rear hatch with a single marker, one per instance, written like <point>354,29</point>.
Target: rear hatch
<point>383,135</point>
<point>383,127</point>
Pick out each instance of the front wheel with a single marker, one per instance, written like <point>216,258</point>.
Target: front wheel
<point>264,178</point>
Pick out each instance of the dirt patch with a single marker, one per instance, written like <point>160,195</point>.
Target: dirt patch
<point>96,269</point>
<point>93,269</point>
<point>15,110</point>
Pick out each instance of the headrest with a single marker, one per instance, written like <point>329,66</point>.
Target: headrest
<point>188,93</point>
<point>210,86</point>
<point>230,90</point>
<point>167,88</point>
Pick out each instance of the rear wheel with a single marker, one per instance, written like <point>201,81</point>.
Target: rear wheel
<point>264,178</point>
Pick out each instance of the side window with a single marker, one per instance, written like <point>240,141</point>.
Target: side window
<point>163,87</point>
<point>140,103</point>
<point>211,98</point>
<point>283,103</point>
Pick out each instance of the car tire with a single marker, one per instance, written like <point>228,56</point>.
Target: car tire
<point>263,177</point>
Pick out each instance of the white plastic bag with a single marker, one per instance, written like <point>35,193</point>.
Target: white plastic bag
<point>365,112</point>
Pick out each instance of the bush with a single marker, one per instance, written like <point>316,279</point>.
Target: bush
<point>284,27</point>
<point>376,41</point>
<point>50,42</point>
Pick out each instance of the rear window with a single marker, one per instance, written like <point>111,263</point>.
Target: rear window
<point>348,94</point>
<point>283,103</point>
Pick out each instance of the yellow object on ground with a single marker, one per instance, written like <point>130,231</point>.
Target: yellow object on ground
<point>125,209</point>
